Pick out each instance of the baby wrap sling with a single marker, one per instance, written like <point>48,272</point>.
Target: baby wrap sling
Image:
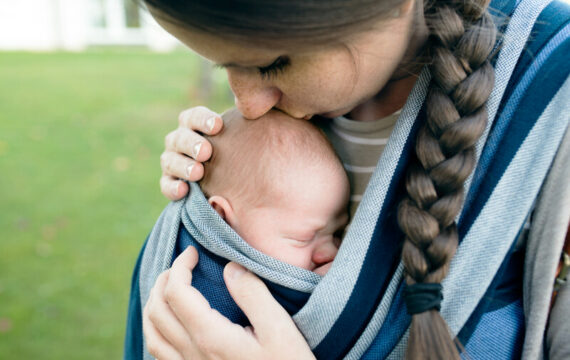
<point>357,309</point>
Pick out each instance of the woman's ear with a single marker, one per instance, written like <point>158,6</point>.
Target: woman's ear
<point>223,208</point>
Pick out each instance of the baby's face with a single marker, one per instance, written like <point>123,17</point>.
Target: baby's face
<point>304,226</point>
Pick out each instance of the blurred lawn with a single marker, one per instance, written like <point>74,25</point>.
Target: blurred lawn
<point>80,139</point>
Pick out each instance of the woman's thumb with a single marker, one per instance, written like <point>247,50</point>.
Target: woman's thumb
<point>255,300</point>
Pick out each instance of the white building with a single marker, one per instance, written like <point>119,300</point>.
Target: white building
<point>74,25</point>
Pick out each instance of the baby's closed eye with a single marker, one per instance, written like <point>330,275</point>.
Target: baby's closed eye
<point>300,242</point>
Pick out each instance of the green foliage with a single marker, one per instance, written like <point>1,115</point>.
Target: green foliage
<point>80,140</point>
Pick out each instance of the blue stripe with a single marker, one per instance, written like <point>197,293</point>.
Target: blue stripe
<point>502,10</point>
<point>133,347</point>
<point>394,326</point>
<point>549,23</point>
<point>551,20</point>
<point>499,336</point>
<point>505,288</point>
<point>382,258</point>
<point>547,73</point>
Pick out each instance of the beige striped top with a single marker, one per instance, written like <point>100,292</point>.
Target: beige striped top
<point>359,145</point>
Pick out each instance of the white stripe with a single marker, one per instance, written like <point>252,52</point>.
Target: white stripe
<point>359,140</point>
<point>359,169</point>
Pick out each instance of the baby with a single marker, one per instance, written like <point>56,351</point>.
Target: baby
<point>279,184</point>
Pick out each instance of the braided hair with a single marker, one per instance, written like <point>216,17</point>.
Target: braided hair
<point>462,36</point>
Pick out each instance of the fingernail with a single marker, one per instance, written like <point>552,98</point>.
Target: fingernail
<point>176,189</point>
<point>197,147</point>
<point>189,171</point>
<point>210,123</point>
<point>235,270</point>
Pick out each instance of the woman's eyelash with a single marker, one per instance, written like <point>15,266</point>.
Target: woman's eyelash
<point>275,68</point>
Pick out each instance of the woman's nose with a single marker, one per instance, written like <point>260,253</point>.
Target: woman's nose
<point>324,253</point>
<point>253,97</point>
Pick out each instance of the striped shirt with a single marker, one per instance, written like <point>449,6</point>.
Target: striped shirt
<point>359,145</point>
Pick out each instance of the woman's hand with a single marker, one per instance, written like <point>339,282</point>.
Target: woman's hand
<point>178,322</point>
<point>185,150</point>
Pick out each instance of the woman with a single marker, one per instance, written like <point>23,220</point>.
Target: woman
<point>362,59</point>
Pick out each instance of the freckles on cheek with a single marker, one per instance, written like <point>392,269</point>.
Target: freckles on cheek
<point>342,76</point>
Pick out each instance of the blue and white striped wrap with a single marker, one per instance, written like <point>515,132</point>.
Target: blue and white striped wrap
<point>356,310</point>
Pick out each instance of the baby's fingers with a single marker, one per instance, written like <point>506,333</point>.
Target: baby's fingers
<point>201,119</point>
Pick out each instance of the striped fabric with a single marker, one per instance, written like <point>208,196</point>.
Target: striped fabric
<point>359,146</point>
<point>356,310</point>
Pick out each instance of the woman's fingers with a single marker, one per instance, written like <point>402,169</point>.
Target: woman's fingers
<point>179,322</point>
<point>180,166</point>
<point>165,321</point>
<point>186,149</point>
<point>253,297</point>
<point>173,188</point>
<point>201,119</point>
<point>267,317</point>
<point>188,142</point>
<point>184,300</point>
<point>157,345</point>
<point>155,320</point>
<point>211,335</point>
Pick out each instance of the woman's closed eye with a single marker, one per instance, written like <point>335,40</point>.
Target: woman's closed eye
<point>275,68</point>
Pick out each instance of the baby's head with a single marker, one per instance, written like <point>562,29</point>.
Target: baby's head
<point>278,183</point>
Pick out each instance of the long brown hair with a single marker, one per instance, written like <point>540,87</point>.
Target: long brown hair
<point>462,36</point>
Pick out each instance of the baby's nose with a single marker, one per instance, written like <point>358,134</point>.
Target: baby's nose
<point>324,253</point>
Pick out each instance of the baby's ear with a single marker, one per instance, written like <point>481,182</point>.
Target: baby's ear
<point>222,207</point>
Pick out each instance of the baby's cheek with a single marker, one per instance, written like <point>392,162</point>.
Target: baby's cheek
<point>297,256</point>
<point>288,251</point>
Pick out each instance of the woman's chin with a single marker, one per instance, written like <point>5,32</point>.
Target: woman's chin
<point>335,113</point>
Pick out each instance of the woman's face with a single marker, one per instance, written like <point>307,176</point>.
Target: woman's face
<point>328,81</point>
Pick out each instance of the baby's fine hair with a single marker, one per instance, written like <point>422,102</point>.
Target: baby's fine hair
<point>252,159</point>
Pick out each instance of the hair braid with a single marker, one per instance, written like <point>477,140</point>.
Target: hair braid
<point>462,36</point>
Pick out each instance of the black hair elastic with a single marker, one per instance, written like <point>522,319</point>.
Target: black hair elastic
<point>421,297</point>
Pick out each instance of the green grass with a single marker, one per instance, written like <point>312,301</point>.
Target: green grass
<point>80,139</point>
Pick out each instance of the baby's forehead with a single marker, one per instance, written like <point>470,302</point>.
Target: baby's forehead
<point>276,152</point>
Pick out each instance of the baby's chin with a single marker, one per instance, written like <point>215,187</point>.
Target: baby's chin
<point>323,269</point>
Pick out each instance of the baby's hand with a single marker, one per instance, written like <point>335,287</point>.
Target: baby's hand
<point>185,150</point>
